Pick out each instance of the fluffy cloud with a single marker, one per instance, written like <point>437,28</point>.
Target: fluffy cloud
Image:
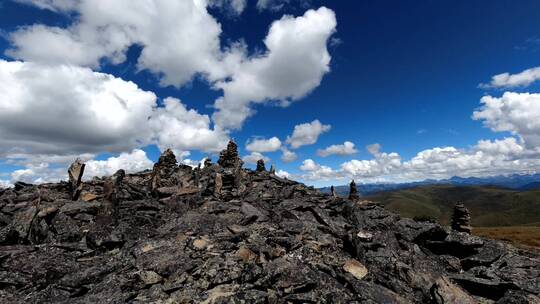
<point>287,155</point>
<point>293,65</point>
<point>382,164</point>
<point>179,40</point>
<point>486,158</point>
<point>44,173</point>
<point>262,145</point>
<point>236,6</point>
<point>131,162</point>
<point>181,129</point>
<point>507,80</point>
<point>67,110</point>
<point>316,172</point>
<point>518,113</point>
<point>254,157</point>
<point>283,174</point>
<point>37,174</point>
<point>7,184</point>
<point>307,133</point>
<point>347,148</point>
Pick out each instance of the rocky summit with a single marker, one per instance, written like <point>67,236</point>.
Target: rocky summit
<point>225,234</point>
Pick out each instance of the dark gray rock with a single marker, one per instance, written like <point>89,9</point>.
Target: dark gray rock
<point>223,234</point>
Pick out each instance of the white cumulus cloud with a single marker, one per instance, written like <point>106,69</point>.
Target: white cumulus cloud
<point>347,148</point>
<point>181,40</point>
<point>131,162</point>
<point>254,157</point>
<point>293,65</point>
<point>507,80</point>
<point>287,155</point>
<point>262,145</point>
<point>307,133</point>
<point>518,113</point>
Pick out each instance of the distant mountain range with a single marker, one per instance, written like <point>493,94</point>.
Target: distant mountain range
<point>515,182</point>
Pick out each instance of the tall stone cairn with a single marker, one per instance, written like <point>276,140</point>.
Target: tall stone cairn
<point>163,169</point>
<point>333,191</point>
<point>260,166</point>
<point>272,169</point>
<point>353,191</point>
<point>229,158</point>
<point>75,172</point>
<point>461,219</point>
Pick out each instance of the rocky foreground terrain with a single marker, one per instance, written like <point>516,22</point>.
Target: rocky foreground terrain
<point>224,234</point>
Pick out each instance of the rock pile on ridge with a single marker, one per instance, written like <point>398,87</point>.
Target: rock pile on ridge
<point>223,234</point>
<point>461,219</point>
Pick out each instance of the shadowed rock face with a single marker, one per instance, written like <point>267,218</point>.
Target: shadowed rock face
<point>231,235</point>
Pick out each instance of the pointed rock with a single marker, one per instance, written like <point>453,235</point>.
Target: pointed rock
<point>353,191</point>
<point>333,191</point>
<point>75,172</point>
<point>272,169</point>
<point>229,158</point>
<point>260,166</point>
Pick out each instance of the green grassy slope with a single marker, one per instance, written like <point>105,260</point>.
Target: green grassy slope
<point>488,206</point>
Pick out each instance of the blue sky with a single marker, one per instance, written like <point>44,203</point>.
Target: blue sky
<point>403,74</point>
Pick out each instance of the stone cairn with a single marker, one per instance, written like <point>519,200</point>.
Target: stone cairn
<point>228,181</point>
<point>75,172</point>
<point>353,191</point>
<point>333,191</point>
<point>163,169</point>
<point>229,158</point>
<point>461,219</point>
<point>272,169</point>
<point>260,166</point>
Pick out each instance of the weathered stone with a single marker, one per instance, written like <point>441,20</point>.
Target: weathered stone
<point>444,292</point>
<point>75,173</point>
<point>150,277</point>
<point>200,244</point>
<point>355,268</point>
<point>88,197</point>
<point>272,169</point>
<point>218,184</point>
<point>461,219</point>
<point>246,255</point>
